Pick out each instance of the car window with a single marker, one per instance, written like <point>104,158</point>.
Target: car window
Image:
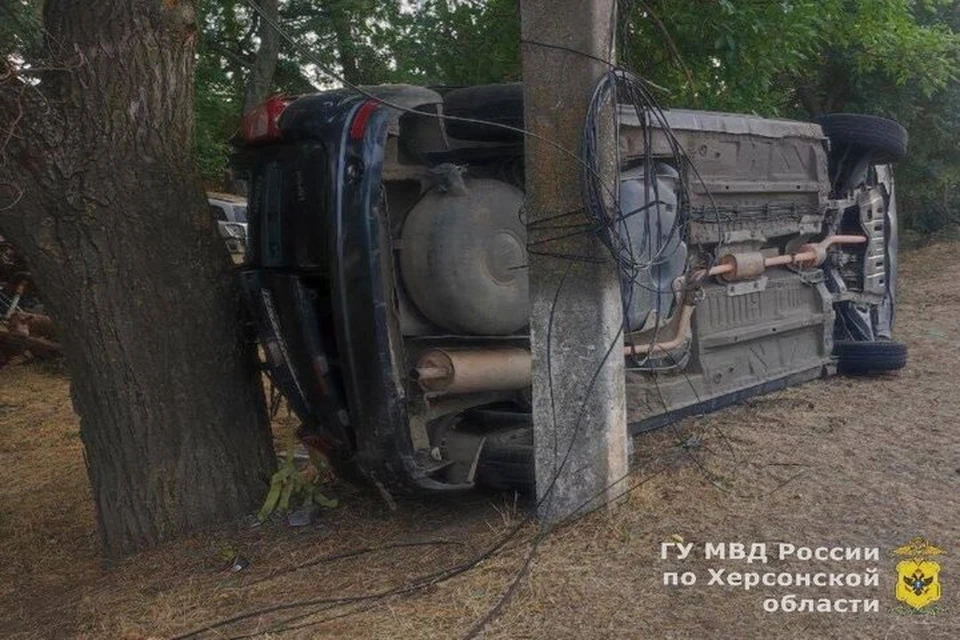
<point>239,213</point>
<point>218,213</point>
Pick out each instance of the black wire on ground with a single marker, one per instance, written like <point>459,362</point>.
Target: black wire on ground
<point>598,196</point>
<point>353,553</point>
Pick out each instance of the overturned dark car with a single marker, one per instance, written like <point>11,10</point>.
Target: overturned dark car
<point>386,256</point>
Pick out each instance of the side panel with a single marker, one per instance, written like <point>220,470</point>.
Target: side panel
<point>744,341</point>
<point>744,173</point>
<point>754,184</point>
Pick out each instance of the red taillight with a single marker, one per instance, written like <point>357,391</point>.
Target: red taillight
<point>361,118</point>
<point>260,123</point>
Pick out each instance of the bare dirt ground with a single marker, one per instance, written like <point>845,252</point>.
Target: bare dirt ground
<point>848,462</point>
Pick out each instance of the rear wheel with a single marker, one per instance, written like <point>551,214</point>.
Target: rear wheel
<point>506,461</point>
<point>499,103</point>
<point>884,138</point>
<point>859,358</point>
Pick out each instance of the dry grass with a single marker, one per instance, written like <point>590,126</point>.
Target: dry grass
<point>839,461</point>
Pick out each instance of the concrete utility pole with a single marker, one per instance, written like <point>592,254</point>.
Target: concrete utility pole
<point>580,432</point>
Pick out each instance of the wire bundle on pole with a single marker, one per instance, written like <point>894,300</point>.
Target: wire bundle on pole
<point>601,204</point>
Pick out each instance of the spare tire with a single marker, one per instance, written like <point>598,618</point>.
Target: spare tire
<point>885,138</point>
<point>496,103</point>
<point>858,358</point>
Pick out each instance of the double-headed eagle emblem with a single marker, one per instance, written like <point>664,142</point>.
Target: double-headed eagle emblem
<point>918,577</point>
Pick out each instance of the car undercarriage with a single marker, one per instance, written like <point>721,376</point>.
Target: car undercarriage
<point>387,269</point>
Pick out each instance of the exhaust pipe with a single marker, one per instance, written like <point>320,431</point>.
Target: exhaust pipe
<point>468,371</point>
<point>745,266</point>
<point>475,370</point>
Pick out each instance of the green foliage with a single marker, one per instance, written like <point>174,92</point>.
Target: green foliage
<point>224,53</point>
<point>355,38</point>
<point>459,43</point>
<point>756,56</point>
<point>291,487</point>
<point>732,55</point>
<point>791,58</point>
<point>20,27</point>
<point>219,96</point>
<point>801,58</point>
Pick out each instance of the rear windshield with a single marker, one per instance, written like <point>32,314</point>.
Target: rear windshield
<point>218,213</point>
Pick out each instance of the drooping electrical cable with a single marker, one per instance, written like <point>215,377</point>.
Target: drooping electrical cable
<point>601,204</point>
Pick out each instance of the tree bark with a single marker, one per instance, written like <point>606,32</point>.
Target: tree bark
<point>99,191</point>
<point>809,100</point>
<point>346,46</point>
<point>260,80</point>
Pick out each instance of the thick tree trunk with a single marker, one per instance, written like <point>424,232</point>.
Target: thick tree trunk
<point>111,217</point>
<point>346,46</point>
<point>809,100</point>
<point>260,80</point>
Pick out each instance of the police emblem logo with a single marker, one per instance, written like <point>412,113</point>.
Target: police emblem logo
<point>918,577</point>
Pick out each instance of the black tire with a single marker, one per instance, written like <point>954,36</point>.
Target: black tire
<point>858,358</point>
<point>499,103</point>
<point>885,138</point>
<point>506,462</point>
